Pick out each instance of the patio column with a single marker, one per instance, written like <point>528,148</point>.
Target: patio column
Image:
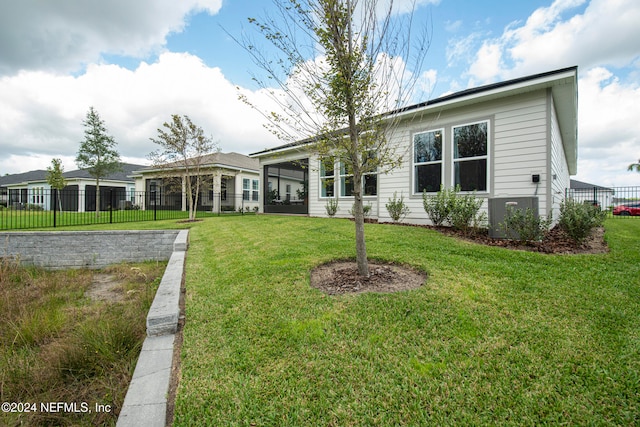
<point>81,196</point>
<point>184,193</point>
<point>217,192</point>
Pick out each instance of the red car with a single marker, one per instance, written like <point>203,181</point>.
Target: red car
<point>630,209</point>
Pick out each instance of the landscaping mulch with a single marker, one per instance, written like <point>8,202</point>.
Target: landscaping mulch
<point>342,277</point>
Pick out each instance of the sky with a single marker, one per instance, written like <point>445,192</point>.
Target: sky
<point>139,62</point>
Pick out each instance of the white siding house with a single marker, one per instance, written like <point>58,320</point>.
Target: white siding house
<point>516,138</point>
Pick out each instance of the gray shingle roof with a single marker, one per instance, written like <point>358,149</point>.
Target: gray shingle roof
<point>41,175</point>
<point>230,160</point>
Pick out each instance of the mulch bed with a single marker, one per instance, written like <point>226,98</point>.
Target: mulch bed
<point>342,277</point>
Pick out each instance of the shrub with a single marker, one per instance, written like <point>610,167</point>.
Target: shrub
<point>463,213</point>
<point>366,210</point>
<point>459,211</point>
<point>332,206</point>
<point>397,208</point>
<point>578,219</point>
<point>524,225</point>
<point>437,207</point>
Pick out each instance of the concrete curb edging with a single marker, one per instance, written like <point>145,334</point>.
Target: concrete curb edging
<point>146,399</point>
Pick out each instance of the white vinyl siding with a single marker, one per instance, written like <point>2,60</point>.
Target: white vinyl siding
<point>559,168</point>
<point>520,148</point>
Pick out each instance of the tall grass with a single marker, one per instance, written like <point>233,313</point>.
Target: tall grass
<point>57,345</point>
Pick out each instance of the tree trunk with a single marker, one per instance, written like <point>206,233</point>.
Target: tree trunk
<point>97,197</point>
<point>358,214</point>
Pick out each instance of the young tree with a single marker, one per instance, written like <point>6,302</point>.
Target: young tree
<point>335,92</point>
<point>97,153</point>
<point>55,178</point>
<point>183,147</point>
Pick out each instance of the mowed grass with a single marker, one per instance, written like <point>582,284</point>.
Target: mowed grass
<point>33,219</point>
<point>494,337</point>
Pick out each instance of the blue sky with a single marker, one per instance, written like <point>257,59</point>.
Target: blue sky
<point>139,62</point>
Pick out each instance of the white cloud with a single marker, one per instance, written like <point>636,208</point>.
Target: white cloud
<point>602,39</point>
<point>46,111</point>
<point>609,129</point>
<point>63,35</point>
<point>605,34</point>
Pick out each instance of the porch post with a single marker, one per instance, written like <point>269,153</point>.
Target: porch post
<point>184,193</point>
<point>217,191</point>
<point>81,196</point>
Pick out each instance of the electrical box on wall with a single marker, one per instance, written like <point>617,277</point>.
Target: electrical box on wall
<point>498,211</point>
<point>535,178</point>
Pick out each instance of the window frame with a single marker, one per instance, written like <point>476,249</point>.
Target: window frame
<point>323,177</point>
<point>255,190</point>
<point>485,157</point>
<point>415,164</point>
<point>246,189</point>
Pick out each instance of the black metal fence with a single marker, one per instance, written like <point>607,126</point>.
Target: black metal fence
<point>618,201</point>
<point>39,208</point>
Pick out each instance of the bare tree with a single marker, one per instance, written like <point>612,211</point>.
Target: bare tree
<point>344,64</point>
<point>183,147</point>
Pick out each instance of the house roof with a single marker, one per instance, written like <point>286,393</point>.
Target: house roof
<point>579,185</point>
<point>220,160</point>
<point>17,178</point>
<point>563,85</point>
<point>40,175</point>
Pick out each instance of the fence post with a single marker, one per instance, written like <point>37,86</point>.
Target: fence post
<point>155,204</point>
<point>111,206</point>
<point>55,205</point>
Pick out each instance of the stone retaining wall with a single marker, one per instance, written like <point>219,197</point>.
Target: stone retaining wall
<point>87,249</point>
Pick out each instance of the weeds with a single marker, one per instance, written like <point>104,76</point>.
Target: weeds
<point>57,345</point>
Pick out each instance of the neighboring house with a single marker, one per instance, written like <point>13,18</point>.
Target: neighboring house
<point>31,188</point>
<point>516,138</point>
<point>230,181</point>
<point>592,194</point>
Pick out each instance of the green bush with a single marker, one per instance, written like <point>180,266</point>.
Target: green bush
<point>331,206</point>
<point>437,207</point>
<point>463,213</point>
<point>524,225</point>
<point>397,208</point>
<point>578,219</point>
<point>459,211</point>
<point>366,210</point>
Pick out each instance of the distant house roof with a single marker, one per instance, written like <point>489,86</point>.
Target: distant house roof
<point>17,178</point>
<point>41,175</point>
<point>563,84</point>
<point>219,160</point>
<point>579,185</point>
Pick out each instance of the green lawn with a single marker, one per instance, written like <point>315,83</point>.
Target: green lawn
<point>493,337</point>
<point>26,219</point>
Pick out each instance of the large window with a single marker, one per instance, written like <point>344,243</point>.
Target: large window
<point>427,161</point>
<point>470,154</point>
<point>327,181</point>
<point>344,179</point>
<point>250,189</point>
<point>246,188</point>
<point>255,190</point>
